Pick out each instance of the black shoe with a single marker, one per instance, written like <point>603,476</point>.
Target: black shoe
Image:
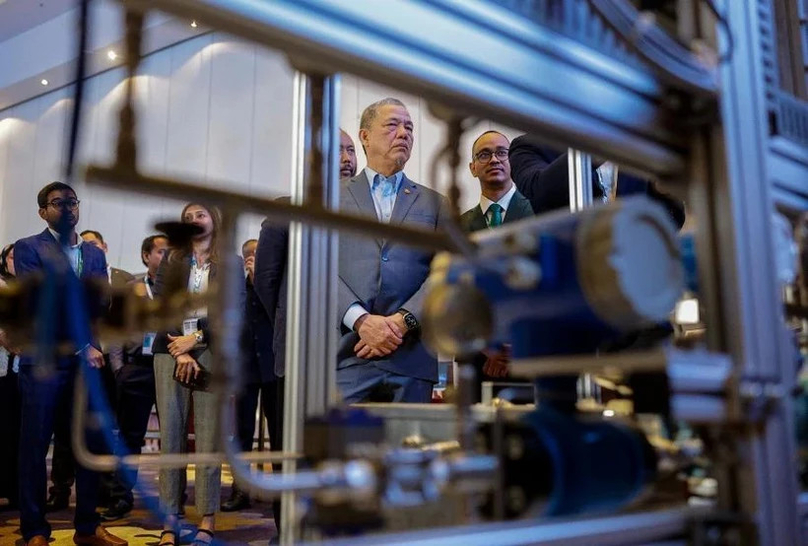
<point>57,502</point>
<point>237,501</point>
<point>116,511</point>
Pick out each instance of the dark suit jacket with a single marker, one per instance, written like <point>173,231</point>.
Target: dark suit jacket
<point>120,278</point>
<point>384,277</point>
<point>30,256</point>
<point>541,174</point>
<point>161,341</point>
<point>259,358</point>
<point>474,219</point>
<point>271,257</point>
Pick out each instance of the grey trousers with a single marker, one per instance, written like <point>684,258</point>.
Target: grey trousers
<point>173,404</point>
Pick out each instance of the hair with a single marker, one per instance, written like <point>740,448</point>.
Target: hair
<point>94,233</point>
<point>216,217</point>
<point>42,196</point>
<point>148,245</point>
<point>245,243</point>
<point>369,113</point>
<point>5,274</point>
<point>473,144</point>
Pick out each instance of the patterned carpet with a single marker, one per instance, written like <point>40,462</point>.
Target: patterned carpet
<point>253,526</point>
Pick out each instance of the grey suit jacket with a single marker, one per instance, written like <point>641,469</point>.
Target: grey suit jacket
<point>384,276</point>
<point>519,208</point>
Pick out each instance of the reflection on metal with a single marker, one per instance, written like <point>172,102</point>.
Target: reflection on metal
<point>311,338</point>
<point>580,179</point>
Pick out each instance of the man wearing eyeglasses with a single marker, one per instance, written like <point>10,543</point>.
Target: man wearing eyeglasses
<point>500,202</point>
<point>47,392</point>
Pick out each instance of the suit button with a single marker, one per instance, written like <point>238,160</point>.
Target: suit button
<point>385,259</point>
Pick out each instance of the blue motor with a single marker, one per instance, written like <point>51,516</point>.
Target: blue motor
<point>557,284</point>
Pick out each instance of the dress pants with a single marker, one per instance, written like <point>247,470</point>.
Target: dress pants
<point>173,406</point>
<point>47,406</point>
<point>367,383</point>
<point>136,397</point>
<point>9,436</point>
<point>63,467</point>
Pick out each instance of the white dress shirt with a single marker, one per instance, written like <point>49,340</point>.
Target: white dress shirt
<point>73,252</point>
<point>504,202</point>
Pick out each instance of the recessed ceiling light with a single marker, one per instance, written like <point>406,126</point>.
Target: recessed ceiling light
<point>193,24</point>
<point>43,81</point>
<point>112,55</point>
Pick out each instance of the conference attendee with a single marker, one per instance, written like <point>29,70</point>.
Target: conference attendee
<point>113,355</point>
<point>259,371</point>
<point>500,203</point>
<point>542,175</point>
<point>182,363</point>
<point>9,399</point>
<point>47,398</point>
<point>381,283</point>
<point>270,284</point>
<point>135,386</point>
<point>347,156</point>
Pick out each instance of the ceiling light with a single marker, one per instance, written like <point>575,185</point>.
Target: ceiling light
<point>43,81</point>
<point>193,24</point>
<point>112,55</point>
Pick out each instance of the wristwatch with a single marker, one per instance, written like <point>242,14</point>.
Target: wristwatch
<point>409,320</point>
<point>200,337</point>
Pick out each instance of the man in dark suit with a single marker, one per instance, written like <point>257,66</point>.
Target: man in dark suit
<point>259,371</point>
<point>500,203</point>
<point>47,398</point>
<point>381,356</point>
<point>270,282</point>
<point>135,387</point>
<point>542,175</point>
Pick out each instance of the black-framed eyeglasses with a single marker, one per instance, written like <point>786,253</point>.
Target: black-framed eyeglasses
<point>71,204</point>
<point>486,155</point>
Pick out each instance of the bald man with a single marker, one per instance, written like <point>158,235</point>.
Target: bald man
<point>347,156</point>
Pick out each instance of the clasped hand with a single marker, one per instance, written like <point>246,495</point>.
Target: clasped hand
<point>379,335</point>
<point>181,344</point>
<point>187,368</point>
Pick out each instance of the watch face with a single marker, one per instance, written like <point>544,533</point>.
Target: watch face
<point>410,321</point>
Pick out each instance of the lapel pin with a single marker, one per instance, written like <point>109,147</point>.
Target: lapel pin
<point>407,190</point>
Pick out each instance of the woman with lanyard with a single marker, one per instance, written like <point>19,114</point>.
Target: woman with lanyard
<point>182,363</point>
<point>9,399</point>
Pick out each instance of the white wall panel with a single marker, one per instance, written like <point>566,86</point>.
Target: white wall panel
<point>19,207</point>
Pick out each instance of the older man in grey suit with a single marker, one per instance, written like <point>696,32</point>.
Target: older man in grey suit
<point>381,287</point>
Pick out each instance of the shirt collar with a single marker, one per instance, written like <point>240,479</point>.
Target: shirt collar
<point>503,202</point>
<point>371,175</point>
<point>59,239</point>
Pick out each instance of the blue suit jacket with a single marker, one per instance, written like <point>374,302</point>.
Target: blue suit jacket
<point>30,256</point>
<point>384,277</point>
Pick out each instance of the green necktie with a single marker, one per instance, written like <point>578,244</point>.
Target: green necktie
<point>496,215</point>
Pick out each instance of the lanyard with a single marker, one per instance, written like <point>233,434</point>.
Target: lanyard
<point>80,266</point>
<point>198,274</point>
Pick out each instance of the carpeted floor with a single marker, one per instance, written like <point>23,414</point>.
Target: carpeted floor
<point>253,526</point>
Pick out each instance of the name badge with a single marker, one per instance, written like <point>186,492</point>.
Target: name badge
<point>189,326</point>
<point>148,343</point>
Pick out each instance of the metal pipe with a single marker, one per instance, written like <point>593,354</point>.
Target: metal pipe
<point>109,463</point>
<point>580,179</point>
<point>124,179</point>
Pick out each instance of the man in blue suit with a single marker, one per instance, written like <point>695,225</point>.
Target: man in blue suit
<point>381,284</point>
<point>47,394</point>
